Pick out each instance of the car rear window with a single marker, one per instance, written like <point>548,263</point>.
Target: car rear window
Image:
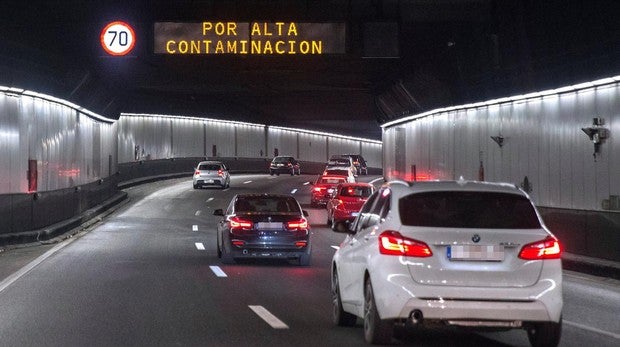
<point>332,180</point>
<point>267,204</point>
<point>282,160</point>
<point>337,172</point>
<point>361,192</point>
<point>468,210</point>
<point>209,167</point>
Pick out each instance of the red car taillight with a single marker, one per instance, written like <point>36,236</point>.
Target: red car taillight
<point>220,173</point>
<point>317,189</point>
<point>301,244</point>
<point>393,243</point>
<point>238,243</point>
<point>298,224</point>
<point>548,248</point>
<point>197,172</point>
<point>237,223</point>
<point>339,205</point>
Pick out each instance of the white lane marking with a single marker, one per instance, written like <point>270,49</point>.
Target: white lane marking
<point>225,190</point>
<point>209,199</point>
<point>594,330</point>
<point>24,270</point>
<point>268,317</point>
<point>200,246</point>
<point>197,213</point>
<point>218,271</point>
<point>194,227</point>
<point>293,191</point>
<point>336,247</point>
<point>306,183</point>
<point>246,182</point>
<point>376,180</point>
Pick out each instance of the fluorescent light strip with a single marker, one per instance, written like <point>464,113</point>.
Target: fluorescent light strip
<point>190,118</point>
<point>557,91</point>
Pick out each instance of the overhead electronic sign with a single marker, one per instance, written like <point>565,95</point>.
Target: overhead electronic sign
<point>256,38</point>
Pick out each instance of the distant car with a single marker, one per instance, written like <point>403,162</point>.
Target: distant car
<point>345,172</point>
<point>346,202</point>
<point>468,254</point>
<point>359,163</point>
<point>323,189</point>
<point>257,226</point>
<point>211,173</point>
<point>284,164</point>
<point>341,161</point>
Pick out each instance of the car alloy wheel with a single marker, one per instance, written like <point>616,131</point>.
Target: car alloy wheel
<point>339,316</point>
<point>376,330</point>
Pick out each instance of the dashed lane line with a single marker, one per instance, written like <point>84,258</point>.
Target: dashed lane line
<point>335,247</point>
<point>218,271</point>
<point>200,246</point>
<point>293,191</point>
<point>594,330</point>
<point>247,182</point>
<point>306,183</point>
<point>268,317</point>
<point>209,199</point>
<point>194,227</point>
<point>197,213</point>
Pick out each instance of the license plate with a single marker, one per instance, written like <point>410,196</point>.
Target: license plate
<point>269,225</point>
<point>209,181</point>
<point>476,252</point>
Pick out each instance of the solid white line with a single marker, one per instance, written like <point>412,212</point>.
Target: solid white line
<point>197,213</point>
<point>209,199</point>
<point>293,191</point>
<point>594,330</point>
<point>268,317</point>
<point>306,183</point>
<point>21,272</point>
<point>194,227</point>
<point>336,247</point>
<point>200,246</point>
<point>218,271</point>
<point>246,182</point>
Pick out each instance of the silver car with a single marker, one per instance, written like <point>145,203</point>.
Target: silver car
<point>470,254</point>
<point>211,173</point>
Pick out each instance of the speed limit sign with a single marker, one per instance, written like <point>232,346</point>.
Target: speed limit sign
<point>118,38</point>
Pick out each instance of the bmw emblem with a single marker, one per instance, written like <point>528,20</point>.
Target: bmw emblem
<point>476,238</point>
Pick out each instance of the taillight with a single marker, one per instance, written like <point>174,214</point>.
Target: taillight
<point>238,243</point>
<point>317,189</point>
<point>339,205</point>
<point>548,248</point>
<point>220,173</point>
<point>393,243</point>
<point>301,244</point>
<point>197,173</point>
<point>237,223</point>
<point>298,224</point>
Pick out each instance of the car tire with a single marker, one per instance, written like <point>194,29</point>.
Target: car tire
<point>293,172</point>
<point>271,172</point>
<point>339,316</point>
<point>195,186</point>
<point>305,258</point>
<point>376,330</point>
<point>545,334</point>
<point>219,251</point>
<point>226,258</point>
<point>329,221</point>
<point>334,225</point>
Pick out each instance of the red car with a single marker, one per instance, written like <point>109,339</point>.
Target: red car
<point>347,201</point>
<point>323,189</point>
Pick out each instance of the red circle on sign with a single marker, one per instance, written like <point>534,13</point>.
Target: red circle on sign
<point>108,47</point>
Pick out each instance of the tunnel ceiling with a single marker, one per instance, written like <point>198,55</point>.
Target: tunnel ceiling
<point>449,52</point>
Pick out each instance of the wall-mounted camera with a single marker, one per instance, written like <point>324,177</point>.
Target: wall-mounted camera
<point>597,134</point>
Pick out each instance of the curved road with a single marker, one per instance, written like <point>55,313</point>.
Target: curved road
<point>148,274</point>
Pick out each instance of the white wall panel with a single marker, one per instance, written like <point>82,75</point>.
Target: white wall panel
<point>342,146</point>
<point>313,147</point>
<point>250,141</point>
<point>543,140</point>
<point>284,140</point>
<point>187,138</point>
<point>372,153</point>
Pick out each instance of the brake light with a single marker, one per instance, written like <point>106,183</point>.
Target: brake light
<point>393,243</point>
<point>238,243</point>
<point>197,172</point>
<point>317,189</point>
<point>220,173</point>
<point>297,224</point>
<point>301,244</point>
<point>339,205</point>
<point>237,223</point>
<point>548,248</point>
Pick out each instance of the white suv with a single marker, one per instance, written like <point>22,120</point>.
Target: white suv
<point>469,254</point>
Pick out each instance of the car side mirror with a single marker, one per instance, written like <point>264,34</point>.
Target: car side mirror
<point>305,213</point>
<point>218,212</point>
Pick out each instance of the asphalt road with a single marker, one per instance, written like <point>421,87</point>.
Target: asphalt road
<point>149,275</point>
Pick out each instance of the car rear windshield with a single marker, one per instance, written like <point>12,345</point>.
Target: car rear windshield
<point>267,204</point>
<point>360,192</point>
<point>468,210</point>
<point>337,172</point>
<point>209,167</point>
<point>282,160</point>
<point>331,180</point>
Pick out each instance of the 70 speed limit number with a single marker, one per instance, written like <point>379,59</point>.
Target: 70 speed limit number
<point>118,38</point>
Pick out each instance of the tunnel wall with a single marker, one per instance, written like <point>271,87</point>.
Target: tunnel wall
<point>544,151</point>
<point>160,137</point>
<point>57,160</point>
